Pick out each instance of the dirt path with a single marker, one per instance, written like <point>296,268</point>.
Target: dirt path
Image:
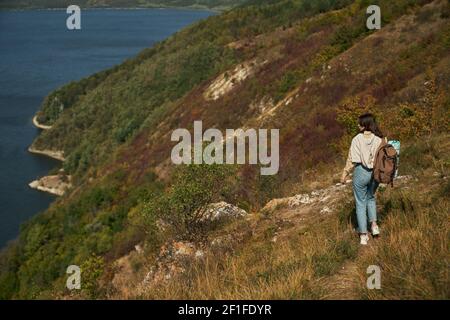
<point>350,281</point>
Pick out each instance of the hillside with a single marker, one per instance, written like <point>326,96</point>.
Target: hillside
<point>210,4</point>
<point>307,68</point>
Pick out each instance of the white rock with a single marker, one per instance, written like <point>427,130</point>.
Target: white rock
<point>138,248</point>
<point>226,81</point>
<point>325,210</point>
<point>216,211</point>
<point>199,254</point>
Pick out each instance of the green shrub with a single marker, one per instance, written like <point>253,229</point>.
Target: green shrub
<point>183,206</point>
<point>91,270</point>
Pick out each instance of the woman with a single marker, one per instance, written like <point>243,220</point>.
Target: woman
<point>360,160</point>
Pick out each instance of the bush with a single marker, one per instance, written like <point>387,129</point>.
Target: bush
<point>91,270</point>
<point>183,206</point>
<point>347,116</point>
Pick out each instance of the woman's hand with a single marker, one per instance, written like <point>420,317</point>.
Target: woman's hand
<point>344,178</point>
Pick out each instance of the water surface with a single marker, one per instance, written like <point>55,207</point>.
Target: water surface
<point>37,55</point>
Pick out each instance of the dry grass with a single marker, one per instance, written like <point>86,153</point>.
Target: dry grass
<point>321,258</point>
<point>262,269</point>
<point>414,252</point>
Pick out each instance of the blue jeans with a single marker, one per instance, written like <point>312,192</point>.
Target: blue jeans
<point>364,188</point>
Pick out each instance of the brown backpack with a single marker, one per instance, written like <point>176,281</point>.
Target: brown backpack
<point>385,164</point>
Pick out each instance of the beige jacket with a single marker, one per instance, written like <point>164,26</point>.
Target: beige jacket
<point>362,150</point>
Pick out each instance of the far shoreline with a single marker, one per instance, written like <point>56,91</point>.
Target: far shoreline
<point>192,8</point>
<point>54,154</point>
<point>39,125</point>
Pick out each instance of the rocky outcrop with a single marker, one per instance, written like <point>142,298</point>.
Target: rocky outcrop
<point>262,106</point>
<point>326,195</point>
<point>174,256</point>
<point>171,261</point>
<point>222,210</point>
<point>58,155</point>
<point>325,199</point>
<point>228,80</point>
<point>57,184</point>
<point>269,109</point>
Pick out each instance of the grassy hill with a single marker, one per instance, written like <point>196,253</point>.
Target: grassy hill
<point>211,4</point>
<point>313,67</point>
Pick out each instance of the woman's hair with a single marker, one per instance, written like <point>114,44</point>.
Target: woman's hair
<point>368,122</point>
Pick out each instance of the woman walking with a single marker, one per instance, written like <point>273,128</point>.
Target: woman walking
<point>361,160</point>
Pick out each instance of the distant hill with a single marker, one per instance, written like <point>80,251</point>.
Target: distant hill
<point>211,4</point>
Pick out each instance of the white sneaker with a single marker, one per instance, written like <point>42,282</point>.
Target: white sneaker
<point>375,231</point>
<point>364,239</point>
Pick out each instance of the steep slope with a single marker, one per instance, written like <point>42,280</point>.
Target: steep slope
<point>307,69</point>
<point>305,247</point>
